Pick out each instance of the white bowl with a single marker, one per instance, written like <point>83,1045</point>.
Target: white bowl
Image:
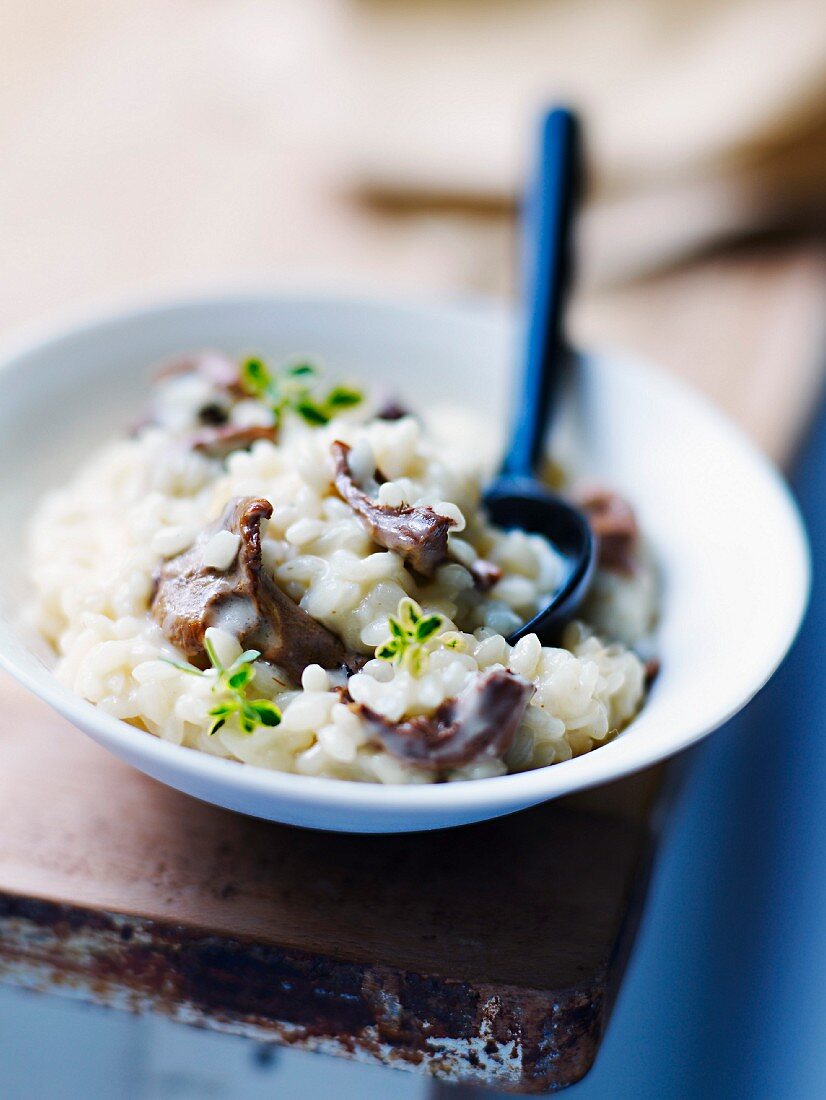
<point>722,524</point>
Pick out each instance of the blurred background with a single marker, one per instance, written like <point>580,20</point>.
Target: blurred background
<point>365,144</point>
<point>379,145</point>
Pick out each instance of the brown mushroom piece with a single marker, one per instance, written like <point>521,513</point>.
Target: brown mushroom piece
<point>485,575</point>
<point>223,377</point>
<point>478,723</point>
<point>418,535</point>
<point>221,371</point>
<point>243,599</point>
<point>614,525</point>
<point>392,409</point>
<point>651,669</point>
<point>225,439</point>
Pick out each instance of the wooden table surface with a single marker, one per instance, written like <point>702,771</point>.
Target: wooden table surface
<point>489,951</point>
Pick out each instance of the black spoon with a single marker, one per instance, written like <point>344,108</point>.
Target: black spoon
<point>517,498</point>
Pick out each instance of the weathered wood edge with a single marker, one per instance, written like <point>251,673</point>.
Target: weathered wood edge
<point>521,1040</point>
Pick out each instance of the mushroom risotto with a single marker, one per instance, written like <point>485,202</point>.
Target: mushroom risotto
<point>284,573</point>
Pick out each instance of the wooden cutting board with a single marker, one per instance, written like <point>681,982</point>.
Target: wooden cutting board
<point>491,953</point>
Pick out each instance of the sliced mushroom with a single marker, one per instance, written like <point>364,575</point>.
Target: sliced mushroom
<point>221,371</point>
<point>223,440</point>
<point>419,535</point>
<point>478,723</point>
<point>651,669</point>
<point>614,525</point>
<point>485,575</point>
<point>219,390</point>
<point>391,409</point>
<point>243,600</point>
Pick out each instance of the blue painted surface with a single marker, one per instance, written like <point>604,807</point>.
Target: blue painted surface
<point>726,994</point>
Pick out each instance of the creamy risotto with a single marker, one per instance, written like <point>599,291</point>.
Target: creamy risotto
<point>286,574</point>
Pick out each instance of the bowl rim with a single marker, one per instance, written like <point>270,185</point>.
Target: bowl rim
<point>599,766</point>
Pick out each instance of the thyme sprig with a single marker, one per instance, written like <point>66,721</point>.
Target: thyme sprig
<point>231,684</point>
<point>295,388</point>
<point>410,630</point>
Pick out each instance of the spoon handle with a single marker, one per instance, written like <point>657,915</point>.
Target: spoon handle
<point>547,242</point>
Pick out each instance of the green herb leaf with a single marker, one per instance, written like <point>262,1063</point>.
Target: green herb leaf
<point>255,377</point>
<point>396,628</point>
<point>268,713</point>
<point>212,654</point>
<point>295,389</point>
<point>232,683</point>
<point>342,397</point>
<point>410,630</point>
<point>246,658</point>
<point>240,679</point>
<point>416,660</point>
<point>409,613</point>
<point>182,666</point>
<point>388,651</point>
<point>248,719</point>
<point>425,628</point>
<point>311,412</point>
